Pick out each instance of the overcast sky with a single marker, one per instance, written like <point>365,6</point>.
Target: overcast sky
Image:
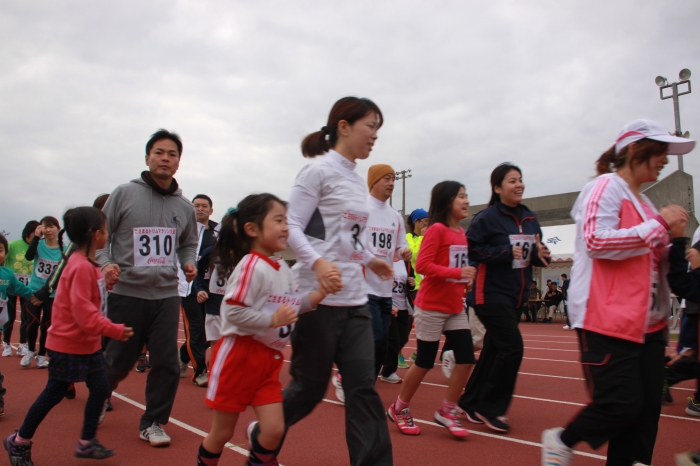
<point>463,86</point>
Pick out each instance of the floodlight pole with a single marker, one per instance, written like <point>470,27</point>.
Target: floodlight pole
<point>676,107</point>
<point>402,175</point>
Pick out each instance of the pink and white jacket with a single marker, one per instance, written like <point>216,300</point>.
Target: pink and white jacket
<point>611,288</point>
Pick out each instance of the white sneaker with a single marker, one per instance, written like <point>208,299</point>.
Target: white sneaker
<point>22,349</point>
<point>202,380</point>
<point>448,363</point>
<point>555,453</point>
<point>338,384</point>
<point>566,327</point>
<point>156,436</point>
<point>183,369</point>
<point>27,359</point>
<point>41,362</point>
<point>6,350</point>
<point>393,378</point>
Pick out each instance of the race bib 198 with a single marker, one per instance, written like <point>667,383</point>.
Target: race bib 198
<point>381,240</point>
<point>44,267</point>
<point>529,245</point>
<point>217,285</point>
<point>352,226</point>
<point>23,278</point>
<point>154,247</point>
<point>276,338</point>
<point>458,259</point>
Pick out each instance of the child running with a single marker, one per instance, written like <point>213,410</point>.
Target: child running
<point>257,316</point>
<point>442,261</point>
<point>74,340</point>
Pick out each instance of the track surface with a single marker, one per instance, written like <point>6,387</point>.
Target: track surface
<point>549,392</point>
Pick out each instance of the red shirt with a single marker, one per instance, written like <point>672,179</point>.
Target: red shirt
<point>77,322</point>
<point>442,255</point>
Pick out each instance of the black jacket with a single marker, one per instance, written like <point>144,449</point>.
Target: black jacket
<point>684,283</point>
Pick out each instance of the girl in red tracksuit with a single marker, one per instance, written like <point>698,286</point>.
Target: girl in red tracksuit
<point>439,309</point>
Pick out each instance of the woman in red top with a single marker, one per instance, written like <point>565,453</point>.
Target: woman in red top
<point>442,261</point>
<point>74,339</point>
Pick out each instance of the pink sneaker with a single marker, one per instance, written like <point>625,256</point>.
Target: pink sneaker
<point>403,420</point>
<point>450,420</point>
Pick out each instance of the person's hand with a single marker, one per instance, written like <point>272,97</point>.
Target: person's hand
<point>677,219</point>
<point>406,254</point>
<point>335,280</point>
<point>127,333</point>
<point>412,281</point>
<point>111,273</point>
<point>517,252</point>
<point>284,315</point>
<point>383,270</point>
<point>39,230</point>
<point>35,301</point>
<point>190,272</point>
<point>394,311</point>
<point>324,269</point>
<point>542,251</point>
<point>469,273</point>
<point>202,296</point>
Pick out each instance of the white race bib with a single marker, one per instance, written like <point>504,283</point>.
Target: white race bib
<point>23,278</point>
<point>655,315</point>
<point>276,338</point>
<point>102,285</point>
<point>217,285</point>
<point>529,245</point>
<point>154,246</point>
<point>381,240</point>
<point>44,267</point>
<point>458,259</point>
<point>398,290</point>
<point>352,226</point>
<point>3,312</point>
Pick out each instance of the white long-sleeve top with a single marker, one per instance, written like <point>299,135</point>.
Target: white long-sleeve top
<point>325,218</point>
<point>385,237</point>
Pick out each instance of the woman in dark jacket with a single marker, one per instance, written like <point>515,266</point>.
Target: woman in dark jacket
<point>553,298</point>
<point>504,240</point>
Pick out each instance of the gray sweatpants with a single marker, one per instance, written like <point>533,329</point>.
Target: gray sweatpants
<point>155,325</point>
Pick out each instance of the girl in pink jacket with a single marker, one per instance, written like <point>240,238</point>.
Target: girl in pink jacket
<point>73,339</point>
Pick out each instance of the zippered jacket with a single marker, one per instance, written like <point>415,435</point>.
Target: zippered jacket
<point>611,291</point>
<point>490,248</point>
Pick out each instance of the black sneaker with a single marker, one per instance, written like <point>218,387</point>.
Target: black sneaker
<point>143,363</point>
<point>666,396</point>
<point>70,393</point>
<point>471,416</point>
<point>693,408</point>
<point>20,454</point>
<point>108,405</point>
<point>498,424</point>
<point>93,450</point>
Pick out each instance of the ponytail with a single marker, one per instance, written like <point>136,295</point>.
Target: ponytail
<point>60,240</point>
<point>604,162</point>
<point>642,151</point>
<point>80,225</point>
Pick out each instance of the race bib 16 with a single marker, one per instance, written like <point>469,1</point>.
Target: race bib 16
<point>529,245</point>
<point>458,259</point>
<point>154,246</point>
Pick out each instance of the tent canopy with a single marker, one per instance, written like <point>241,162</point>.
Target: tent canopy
<point>560,241</point>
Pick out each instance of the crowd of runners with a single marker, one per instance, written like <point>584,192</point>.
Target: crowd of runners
<point>103,290</point>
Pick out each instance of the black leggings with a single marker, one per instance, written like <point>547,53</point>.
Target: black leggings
<point>458,341</point>
<point>35,319</point>
<point>54,392</point>
<point>11,316</point>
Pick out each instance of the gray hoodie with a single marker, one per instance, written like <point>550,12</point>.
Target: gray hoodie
<point>135,205</point>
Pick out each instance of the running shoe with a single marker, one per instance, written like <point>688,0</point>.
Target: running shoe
<point>27,359</point>
<point>693,408</point>
<point>666,397</point>
<point>566,327</point>
<point>338,384</point>
<point>472,417</point>
<point>448,363</point>
<point>70,393</point>
<point>402,364</point>
<point>393,378</point>
<point>94,450</point>
<point>413,357</point>
<point>155,435</point>
<point>22,349</point>
<point>142,365</point>
<point>6,350</point>
<point>183,369</point>
<point>42,362</point>
<point>248,434</point>
<point>554,452</point>
<point>108,404</point>
<point>20,454</point>
<point>498,423</point>
<point>450,421</point>
<point>202,380</point>
<point>689,458</point>
<point>403,420</point>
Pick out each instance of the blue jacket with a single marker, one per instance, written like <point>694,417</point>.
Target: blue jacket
<point>490,248</point>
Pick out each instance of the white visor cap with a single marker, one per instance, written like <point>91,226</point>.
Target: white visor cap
<point>648,129</point>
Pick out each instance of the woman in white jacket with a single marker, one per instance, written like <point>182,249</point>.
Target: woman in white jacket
<point>619,300</point>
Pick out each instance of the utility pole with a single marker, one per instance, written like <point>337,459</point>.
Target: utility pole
<point>402,175</point>
<point>662,82</point>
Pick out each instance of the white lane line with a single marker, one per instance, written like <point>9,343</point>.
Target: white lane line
<point>486,434</point>
<point>558,342</point>
<point>185,426</point>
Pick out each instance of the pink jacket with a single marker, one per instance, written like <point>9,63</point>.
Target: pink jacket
<point>611,280</point>
<point>79,310</point>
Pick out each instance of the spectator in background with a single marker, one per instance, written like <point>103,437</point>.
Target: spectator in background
<point>553,298</point>
<point>564,293</point>
<point>532,308</point>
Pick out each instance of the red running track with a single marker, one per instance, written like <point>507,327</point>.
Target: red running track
<point>550,390</point>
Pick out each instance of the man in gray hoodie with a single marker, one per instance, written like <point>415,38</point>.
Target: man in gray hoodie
<point>150,225</point>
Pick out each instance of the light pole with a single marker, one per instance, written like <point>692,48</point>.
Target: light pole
<point>662,82</point>
<point>402,175</point>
